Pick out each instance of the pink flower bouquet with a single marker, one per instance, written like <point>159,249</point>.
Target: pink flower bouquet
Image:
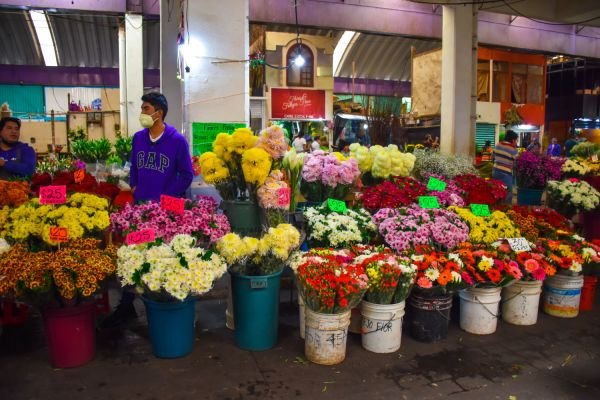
<point>326,176</point>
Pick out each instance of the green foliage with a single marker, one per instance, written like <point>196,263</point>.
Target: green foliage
<point>123,147</point>
<point>75,135</point>
<point>585,149</point>
<point>92,150</point>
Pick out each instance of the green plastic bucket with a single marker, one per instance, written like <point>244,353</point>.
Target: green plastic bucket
<point>243,216</point>
<point>256,310</point>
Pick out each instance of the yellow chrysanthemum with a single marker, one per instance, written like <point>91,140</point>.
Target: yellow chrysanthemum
<point>242,139</point>
<point>256,165</point>
<point>222,146</point>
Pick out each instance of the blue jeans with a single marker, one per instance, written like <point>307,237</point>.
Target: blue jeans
<point>507,179</point>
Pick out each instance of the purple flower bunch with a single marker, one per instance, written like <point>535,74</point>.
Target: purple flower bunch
<point>407,227</point>
<point>452,196</point>
<point>199,219</point>
<point>329,170</point>
<point>534,171</point>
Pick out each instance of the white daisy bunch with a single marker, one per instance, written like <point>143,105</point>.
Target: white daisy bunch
<point>331,229</point>
<point>177,270</point>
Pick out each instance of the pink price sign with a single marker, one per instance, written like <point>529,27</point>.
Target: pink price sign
<point>140,237</point>
<point>174,204</point>
<point>53,194</point>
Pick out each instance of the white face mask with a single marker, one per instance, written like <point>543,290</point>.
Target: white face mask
<point>146,120</point>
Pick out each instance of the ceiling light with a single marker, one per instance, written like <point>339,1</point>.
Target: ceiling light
<point>44,37</point>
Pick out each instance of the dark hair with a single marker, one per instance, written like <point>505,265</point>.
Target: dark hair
<point>510,136</point>
<point>4,120</point>
<point>158,101</point>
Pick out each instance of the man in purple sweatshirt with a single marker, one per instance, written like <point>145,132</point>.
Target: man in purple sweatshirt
<point>160,156</point>
<point>17,159</point>
<point>160,164</point>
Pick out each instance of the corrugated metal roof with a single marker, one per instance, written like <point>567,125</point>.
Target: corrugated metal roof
<point>383,57</point>
<point>18,45</point>
<point>81,40</point>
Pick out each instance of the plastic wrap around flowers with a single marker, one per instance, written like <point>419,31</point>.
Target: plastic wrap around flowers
<point>199,219</point>
<point>330,229</point>
<point>407,227</point>
<point>382,162</point>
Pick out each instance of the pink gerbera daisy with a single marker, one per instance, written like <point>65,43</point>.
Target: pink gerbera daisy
<point>424,283</point>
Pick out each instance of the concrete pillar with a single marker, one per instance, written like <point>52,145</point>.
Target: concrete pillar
<point>131,74</point>
<point>459,63</point>
<point>170,84</point>
<point>216,88</point>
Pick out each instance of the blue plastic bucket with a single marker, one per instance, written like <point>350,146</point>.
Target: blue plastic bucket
<point>529,197</point>
<point>256,310</point>
<point>171,326</point>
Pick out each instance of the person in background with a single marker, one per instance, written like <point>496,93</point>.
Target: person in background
<point>160,156</point>
<point>17,159</point>
<point>554,149</point>
<point>504,156</point>
<point>299,143</point>
<point>160,164</point>
<point>315,145</point>
<point>569,144</point>
<point>486,151</point>
<point>534,146</point>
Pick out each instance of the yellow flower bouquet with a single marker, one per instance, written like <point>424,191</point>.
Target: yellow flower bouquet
<point>255,257</point>
<point>487,230</point>
<point>380,162</point>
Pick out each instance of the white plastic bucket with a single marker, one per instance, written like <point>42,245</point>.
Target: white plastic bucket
<point>479,310</point>
<point>381,326</point>
<point>326,335</point>
<point>355,320</point>
<point>302,315</point>
<point>520,302</point>
<point>561,295</point>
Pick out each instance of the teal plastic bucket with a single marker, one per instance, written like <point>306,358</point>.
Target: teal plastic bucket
<point>529,197</point>
<point>243,216</point>
<point>256,310</point>
<point>171,327</point>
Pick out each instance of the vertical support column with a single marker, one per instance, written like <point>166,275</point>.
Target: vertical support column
<point>459,63</point>
<point>170,84</point>
<point>122,81</point>
<point>216,88</point>
<point>131,76</point>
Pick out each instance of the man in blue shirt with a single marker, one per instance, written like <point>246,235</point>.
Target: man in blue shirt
<point>553,149</point>
<point>17,159</point>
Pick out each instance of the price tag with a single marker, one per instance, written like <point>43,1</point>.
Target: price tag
<point>53,194</point>
<point>174,204</point>
<point>519,244</point>
<point>337,206</point>
<point>436,184</point>
<point>428,202</point>
<point>481,210</point>
<point>79,175</point>
<point>260,283</point>
<point>59,234</point>
<point>283,196</point>
<point>140,237</point>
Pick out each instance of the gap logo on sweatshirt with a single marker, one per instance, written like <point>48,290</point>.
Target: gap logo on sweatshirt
<point>151,160</point>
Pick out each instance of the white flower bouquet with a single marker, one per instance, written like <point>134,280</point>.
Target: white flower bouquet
<point>327,228</point>
<point>167,272</point>
<point>570,196</point>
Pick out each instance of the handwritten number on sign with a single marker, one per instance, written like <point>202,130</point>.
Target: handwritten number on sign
<point>59,234</point>
<point>141,236</point>
<point>174,204</point>
<point>519,244</point>
<point>53,194</point>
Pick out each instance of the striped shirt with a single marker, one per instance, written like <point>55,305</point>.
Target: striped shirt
<point>504,157</point>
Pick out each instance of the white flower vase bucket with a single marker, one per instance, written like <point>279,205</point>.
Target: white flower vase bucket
<point>326,336</point>
<point>562,294</point>
<point>302,316</point>
<point>520,302</point>
<point>479,310</point>
<point>381,326</point>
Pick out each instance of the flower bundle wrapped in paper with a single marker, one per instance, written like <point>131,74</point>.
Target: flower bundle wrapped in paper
<point>483,267</point>
<point>327,228</point>
<point>572,196</point>
<point>380,162</point>
<point>329,282</point>
<point>391,276</point>
<point>532,263</point>
<point>59,277</point>
<point>327,176</point>
<point>169,271</point>
<point>438,272</point>
<point>256,257</point>
<point>489,229</point>
<point>199,219</point>
<point>407,227</point>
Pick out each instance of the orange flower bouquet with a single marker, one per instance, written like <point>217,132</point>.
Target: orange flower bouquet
<point>13,193</point>
<point>61,278</point>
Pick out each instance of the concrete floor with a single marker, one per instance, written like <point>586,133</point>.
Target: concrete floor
<point>554,359</point>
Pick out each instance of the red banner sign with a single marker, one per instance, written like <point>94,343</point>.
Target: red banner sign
<point>297,104</point>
